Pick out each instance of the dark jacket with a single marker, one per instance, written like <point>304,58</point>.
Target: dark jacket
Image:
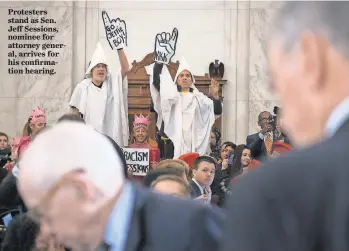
<point>166,223</point>
<point>257,146</point>
<point>9,196</point>
<point>194,190</point>
<point>294,202</point>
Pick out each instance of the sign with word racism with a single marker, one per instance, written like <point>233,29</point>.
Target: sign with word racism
<point>137,159</point>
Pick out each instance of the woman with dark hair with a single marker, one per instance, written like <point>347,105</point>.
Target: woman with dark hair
<point>215,143</point>
<point>223,163</point>
<point>241,160</point>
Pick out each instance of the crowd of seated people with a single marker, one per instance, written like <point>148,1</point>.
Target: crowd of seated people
<point>205,179</point>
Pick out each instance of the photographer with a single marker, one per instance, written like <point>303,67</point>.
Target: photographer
<point>261,143</point>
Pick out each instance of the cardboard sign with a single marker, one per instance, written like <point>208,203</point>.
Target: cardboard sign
<point>137,159</point>
<point>165,46</point>
<point>115,31</point>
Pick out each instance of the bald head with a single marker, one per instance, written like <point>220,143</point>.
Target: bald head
<point>66,147</point>
<point>324,18</point>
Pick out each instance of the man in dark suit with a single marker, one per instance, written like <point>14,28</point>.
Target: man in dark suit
<point>97,204</point>
<point>203,175</point>
<point>300,201</point>
<point>261,143</point>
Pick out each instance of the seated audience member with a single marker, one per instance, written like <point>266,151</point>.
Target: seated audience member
<point>224,162</point>
<point>241,162</point>
<point>71,117</point>
<point>9,196</point>
<point>171,184</point>
<point>215,143</point>
<point>22,234</point>
<point>154,174</point>
<point>5,149</point>
<point>203,175</point>
<point>14,154</point>
<point>175,163</point>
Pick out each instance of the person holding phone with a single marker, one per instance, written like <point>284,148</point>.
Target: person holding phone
<point>224,162</point>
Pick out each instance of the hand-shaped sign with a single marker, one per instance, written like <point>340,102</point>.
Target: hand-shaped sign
<point>115,30</point>
<point>165,46</point>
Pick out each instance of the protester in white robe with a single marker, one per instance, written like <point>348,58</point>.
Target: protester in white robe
<point>187,114</point>
<point>101,98</point>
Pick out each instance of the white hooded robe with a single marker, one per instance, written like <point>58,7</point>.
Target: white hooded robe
<point>188,117</point>
<point>105,108</point>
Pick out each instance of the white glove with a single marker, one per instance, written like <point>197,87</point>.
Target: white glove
<point>165,46</point>
<point>115,30</point>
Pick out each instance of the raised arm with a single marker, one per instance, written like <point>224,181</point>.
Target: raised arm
<point>156,75</point>
<point>116,34</point>
<point>125,66</point>
<point>214,95</point>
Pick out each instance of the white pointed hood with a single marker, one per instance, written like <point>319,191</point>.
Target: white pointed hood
<point>183,65</point>
<point>98,57</point>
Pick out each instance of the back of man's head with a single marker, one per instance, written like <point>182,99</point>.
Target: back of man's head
<point>68,147</point>
<point>324,18</point>
<point>154,174</point>
<point>70,117</point>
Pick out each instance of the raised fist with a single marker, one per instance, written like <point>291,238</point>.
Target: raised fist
<point>115,30</point>
<point>165,46</point>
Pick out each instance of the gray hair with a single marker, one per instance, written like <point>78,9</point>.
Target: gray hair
<point>324,18</point>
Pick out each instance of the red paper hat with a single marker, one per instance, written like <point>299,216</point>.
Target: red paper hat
<point>189,158</point>
<point>281,147</point>
<point>254,163</point>
<point>154,155</point>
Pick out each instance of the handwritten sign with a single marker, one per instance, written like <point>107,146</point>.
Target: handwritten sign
<point>165,46</point>
<point>137,159</point>
<point>115,31</point>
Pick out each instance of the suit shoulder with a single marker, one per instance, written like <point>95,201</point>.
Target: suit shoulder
<point>252,136</point>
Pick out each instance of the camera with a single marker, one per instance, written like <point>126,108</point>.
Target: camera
<point>272,120</point>
<point>4,160</point>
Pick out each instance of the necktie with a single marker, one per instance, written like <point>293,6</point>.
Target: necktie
<point>268,144</point>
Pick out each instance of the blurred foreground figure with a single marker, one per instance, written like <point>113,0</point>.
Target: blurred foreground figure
<point>84,200</point>
<point>299,201</point>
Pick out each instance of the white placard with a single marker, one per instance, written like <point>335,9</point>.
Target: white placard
<point>137,159</point>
